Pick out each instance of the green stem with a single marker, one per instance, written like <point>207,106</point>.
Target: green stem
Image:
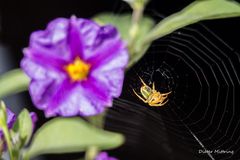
<point>136,17</point>
<point>96,121</point>
<point>25,156</point>
<point>91,153</point>
<point>8,140</point>
<point>133,31</point>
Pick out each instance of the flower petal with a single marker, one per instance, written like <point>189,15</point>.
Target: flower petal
<point>11,118</point>
<point>37,71</point>
<point>109,43</point>
<point>78,103</point>
<point>59,96</point>
<point>39,56</point>
<point>52,42</point>
<point>74,39</point>
<point>34,118</point>
<point>111,72</point>
<point>104,156</point>
<point>43,84</point>
<point>89,32</point>
<point>100,92</point>
<point>112,80</point>
<point>82,35</point>
<point>41,91</point>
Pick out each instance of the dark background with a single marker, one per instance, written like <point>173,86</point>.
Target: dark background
<point>19,18</point>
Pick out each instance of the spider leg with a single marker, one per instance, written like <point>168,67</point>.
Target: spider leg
<point>145,101</point>
<point>153,86</point>
<point>159,104</point>
<point>164,94</point>
<point>143,81</point>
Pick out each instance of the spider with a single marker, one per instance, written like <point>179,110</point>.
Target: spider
<point>151,96</point>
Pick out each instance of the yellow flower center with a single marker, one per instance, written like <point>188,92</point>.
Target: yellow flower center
<point>78,70</point>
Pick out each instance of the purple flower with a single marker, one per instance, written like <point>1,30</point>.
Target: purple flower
<point>104,156</point>
<point>34,119</point>
<point>76,67</point>
<point>11,118</point>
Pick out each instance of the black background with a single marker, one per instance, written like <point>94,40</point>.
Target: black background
<point>20,18</point>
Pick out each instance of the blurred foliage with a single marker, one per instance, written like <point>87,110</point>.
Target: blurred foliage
<point>12,82</point>
<point>123,22</point>
<point>23,127</point>
<point>66,135</point>
<point>195,12</point>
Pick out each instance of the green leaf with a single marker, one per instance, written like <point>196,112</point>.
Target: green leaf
<point>12,82</point>
<point>141,50</point>
<point>196,11</point>
<point>97,120</point>
<point>123,23</point>
<point>66,135</point>
<point>23,126</point>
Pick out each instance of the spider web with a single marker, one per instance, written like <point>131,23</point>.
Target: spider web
<point>202,113</point>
